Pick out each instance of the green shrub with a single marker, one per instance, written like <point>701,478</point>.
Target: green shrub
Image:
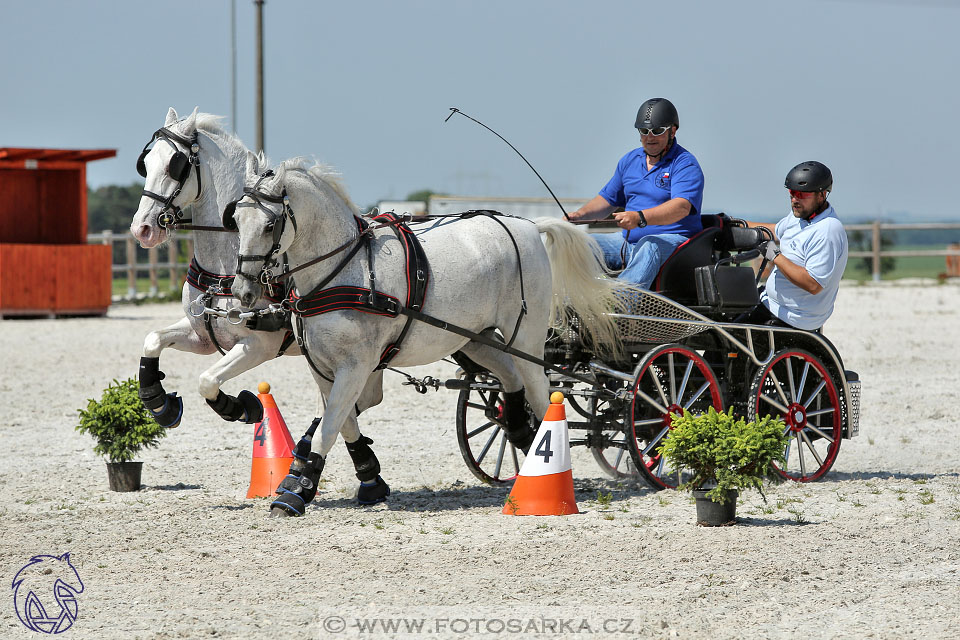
<point>725,451</point>
<point>119,422</point>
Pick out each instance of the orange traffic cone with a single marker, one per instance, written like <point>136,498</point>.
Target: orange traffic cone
<point>272,448</point>
<point>545,484</point>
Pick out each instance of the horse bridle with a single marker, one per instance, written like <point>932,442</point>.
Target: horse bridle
<point>277,224</point>
<point>178,169</point>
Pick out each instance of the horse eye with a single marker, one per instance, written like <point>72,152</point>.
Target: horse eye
<point>269,226</point>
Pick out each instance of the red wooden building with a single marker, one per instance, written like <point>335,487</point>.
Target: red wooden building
<point>46,265</point>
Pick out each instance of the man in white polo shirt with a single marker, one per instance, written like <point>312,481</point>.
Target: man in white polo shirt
<point>808,254</point>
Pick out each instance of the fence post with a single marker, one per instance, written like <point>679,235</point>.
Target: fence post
<point>131,268</point>
<point>152,255</point>
<point>174,281</point>
<point>875,248</point>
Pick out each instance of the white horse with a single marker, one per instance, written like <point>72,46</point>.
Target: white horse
<point>195,163</point>
<point>487,274</point>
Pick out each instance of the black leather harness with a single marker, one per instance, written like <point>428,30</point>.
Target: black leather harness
<point>322,300</point>
<point>220,286</point>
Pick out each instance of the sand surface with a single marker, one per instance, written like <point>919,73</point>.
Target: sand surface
<point>873,550</point>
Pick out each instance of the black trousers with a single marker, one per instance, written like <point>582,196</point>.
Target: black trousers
<point>762,315</point>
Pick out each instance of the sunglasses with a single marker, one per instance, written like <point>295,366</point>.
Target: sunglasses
<point>800,195</point>
<point>659,131</point>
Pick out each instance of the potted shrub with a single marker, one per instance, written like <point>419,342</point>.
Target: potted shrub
<point>122,426</point>
<point>722,454</point>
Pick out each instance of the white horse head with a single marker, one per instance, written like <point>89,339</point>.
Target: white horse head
<point>271,221</point>
<point>191,161</point>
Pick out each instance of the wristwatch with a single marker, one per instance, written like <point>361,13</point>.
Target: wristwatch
<point>642,220</point>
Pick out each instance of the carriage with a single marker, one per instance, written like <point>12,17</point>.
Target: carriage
<point>682,350</point>
<point>683,353</point>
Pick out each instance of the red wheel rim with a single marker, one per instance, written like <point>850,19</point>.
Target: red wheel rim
<point>815,432</point>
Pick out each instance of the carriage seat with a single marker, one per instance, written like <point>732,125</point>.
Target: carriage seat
<point>693,276</point>
<point>675,279</point>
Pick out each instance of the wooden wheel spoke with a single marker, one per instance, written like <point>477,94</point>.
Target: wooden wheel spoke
<point>486,447</point>
<point>503,448</point>
<point>480,429</point>
<point>686,379</point>
<point>776,405</point>
<point>820,433</point>
<point>779,387</point>
<point>696,396</point>
<point>659,388</point>
<point>816,392</point>
<point>813,450</point>
<point>655,441</point>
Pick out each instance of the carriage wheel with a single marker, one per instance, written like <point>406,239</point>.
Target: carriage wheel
<point>483,442</point>
<point>670,379</point>
<point>609,443</point>
<point>797,387</point>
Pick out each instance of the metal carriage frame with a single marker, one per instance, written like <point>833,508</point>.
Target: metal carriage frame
<point>677,359</point>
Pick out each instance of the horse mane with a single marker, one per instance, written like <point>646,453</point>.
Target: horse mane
<point>320,173</point>
<point>212,125</point>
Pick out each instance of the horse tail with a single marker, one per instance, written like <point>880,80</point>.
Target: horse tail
<point>582,285</point>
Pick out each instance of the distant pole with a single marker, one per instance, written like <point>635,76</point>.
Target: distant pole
<point>233,64</point>
<point>260,140</point>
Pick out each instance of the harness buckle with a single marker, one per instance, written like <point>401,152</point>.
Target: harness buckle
<point>384,303</point>
<point>421,276</point>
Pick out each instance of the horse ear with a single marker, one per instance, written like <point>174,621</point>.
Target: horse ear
<point>171,117</point>
<point>190,123</point>
<point>253,164</point>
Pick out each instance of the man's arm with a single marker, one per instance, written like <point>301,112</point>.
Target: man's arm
<point>666,213</point>
<point>596,209</point>
<point>797,275</point>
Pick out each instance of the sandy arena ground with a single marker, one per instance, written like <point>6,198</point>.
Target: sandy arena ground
<point>872,551</point>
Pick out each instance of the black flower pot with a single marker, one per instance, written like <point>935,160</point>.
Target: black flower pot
<point>716,514</point>
<point>124,476</point>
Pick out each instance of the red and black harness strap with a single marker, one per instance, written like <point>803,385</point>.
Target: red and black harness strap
<point>367,299</point>
<point>219,285</point>
<point>203,280</point>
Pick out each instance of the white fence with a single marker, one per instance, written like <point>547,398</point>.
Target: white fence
<point>176,263</point>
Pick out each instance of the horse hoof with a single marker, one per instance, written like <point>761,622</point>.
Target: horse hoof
<point>373,493</point>
<point>277,512</point>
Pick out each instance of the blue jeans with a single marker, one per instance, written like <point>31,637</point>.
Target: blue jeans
<point>640,262</point>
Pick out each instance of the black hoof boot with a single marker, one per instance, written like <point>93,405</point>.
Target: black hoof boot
<point>246,407</point>
<point>516,421</point>
<point>302,451</point>
<point>166,408</point>
<point>296,492</point>
<point>373,493</point>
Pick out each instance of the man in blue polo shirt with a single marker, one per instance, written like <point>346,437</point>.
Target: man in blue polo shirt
<point>660,188</point>
<point>808,254</point>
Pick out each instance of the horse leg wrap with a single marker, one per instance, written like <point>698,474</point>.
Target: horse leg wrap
<point>166,408</point>
<point>297,491</point>
<point>245,407</point>
<point>364,460</point>
<point>302,451</point>
<point>372,493</point>
<point>516,421</point>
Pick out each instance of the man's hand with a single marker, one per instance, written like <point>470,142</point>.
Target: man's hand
<point>770,250</point>
<point>627,219</point>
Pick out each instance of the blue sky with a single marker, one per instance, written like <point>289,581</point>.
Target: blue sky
<point>868,87</point>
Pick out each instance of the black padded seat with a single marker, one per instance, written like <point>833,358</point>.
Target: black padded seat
<point>676,278</point>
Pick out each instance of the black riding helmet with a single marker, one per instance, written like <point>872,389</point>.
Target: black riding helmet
<point>657,112</point>
<point>809,176</point>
